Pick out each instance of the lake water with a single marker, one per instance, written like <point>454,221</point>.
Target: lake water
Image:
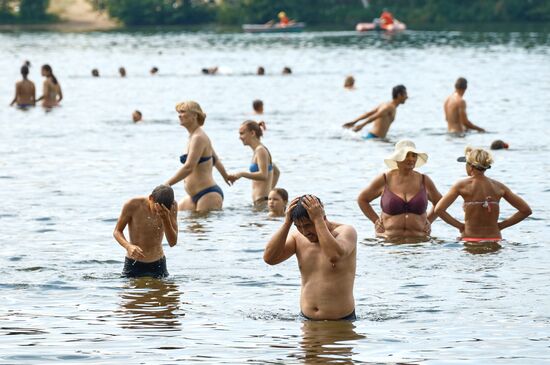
<point>65,175</point>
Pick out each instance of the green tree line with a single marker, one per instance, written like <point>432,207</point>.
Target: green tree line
<point>24,11</point>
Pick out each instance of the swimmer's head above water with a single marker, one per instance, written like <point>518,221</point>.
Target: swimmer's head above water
<point>301,219</point>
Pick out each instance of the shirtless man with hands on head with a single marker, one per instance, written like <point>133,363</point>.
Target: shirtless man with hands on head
<point>326,253</point>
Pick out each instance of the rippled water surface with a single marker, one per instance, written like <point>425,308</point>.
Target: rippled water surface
<point>65,175</point>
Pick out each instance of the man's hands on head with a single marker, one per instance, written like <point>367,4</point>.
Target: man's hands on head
<point>314,208</point>
<point>290,208</point>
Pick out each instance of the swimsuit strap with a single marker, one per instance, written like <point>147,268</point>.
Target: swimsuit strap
<point>484,204</point>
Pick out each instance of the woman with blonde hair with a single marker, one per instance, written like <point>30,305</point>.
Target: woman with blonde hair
<point>482,200</point>
<point>404,195</point>
<point>203,192</point>
<point>262,171</point>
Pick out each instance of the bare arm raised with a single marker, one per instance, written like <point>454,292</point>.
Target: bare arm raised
<point>169,221</point>
<point>281,246</point>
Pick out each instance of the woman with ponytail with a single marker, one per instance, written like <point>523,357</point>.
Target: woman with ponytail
<point>52,94</point>
<point>262,171</point>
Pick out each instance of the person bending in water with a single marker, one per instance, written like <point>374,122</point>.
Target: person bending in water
<point>481,200</point>
<point>203,192</point>
<point>52,94</point>
<point>326,253</point>
<point>25,92</point>
<point>382,116</point>
<point>277,201</point>
<point>455,110</point>
<point>148,220</point>
<point>262,171</point>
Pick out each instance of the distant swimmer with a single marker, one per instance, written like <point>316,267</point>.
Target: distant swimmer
<point>137,116</point>
<point>260,71</point>
<point>277,201</point>
<point>349,83</point>
<point>455,110</point>
<point>52,94</point>
<point>149,219</point>
<point>25,92</point>
<point>258,106</point>
<point>210,70</point>
<point>382,116</point>
<point>326,252</point>
<point>499,145</point>
<point>287,71</point>
<point>154,70</point>
<point>262,170</point>
<point>482,197</point>
<point>203,193</point>
<point>122,71</point>
<point>95,72</point>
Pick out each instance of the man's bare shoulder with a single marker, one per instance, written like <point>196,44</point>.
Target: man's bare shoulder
<point>344,229</point>
<point>135,204</point>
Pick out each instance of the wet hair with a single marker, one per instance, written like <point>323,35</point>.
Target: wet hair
<point>24,70</point>
<point>27,63</point>
<point>95,72</point>
<point>261,71</point>
<point>498,145</point>
<point>154,70</point>
<point>461,83</point>
<point>192,106</point>
<point>349,82</point>
<point>300,212</point>
<point>257,104</point>
<point>398,90</point>
<point>163,194</point>
<point>287,70</point>
<point>478,158</point>
<point>257,128</point>
<point>282,193</point>
<point>122,71</point>
<point>49,70</point>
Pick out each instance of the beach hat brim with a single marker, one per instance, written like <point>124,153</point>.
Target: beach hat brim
<point>400,155</point>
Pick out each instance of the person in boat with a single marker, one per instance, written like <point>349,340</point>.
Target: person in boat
<point>404,196</point>
<point>52,94</point>
<point>149,219</point>
<point>25,91</point>
<point>203,192</point>
<point>386,19</point>
<point>262,171</point>
<point>277,201</point>
<point>455,110</point>
<point>283,19</point>
<point>482,197</point>
<point>326,252</point>
<point>382,116</point>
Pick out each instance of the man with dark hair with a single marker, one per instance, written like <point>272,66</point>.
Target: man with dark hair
<point>382,116</point>
<point>455,110</point>
<point>148,220</point>
<point>326,253</point>
<point>25,92</point>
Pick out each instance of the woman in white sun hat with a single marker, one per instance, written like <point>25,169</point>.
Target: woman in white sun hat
<point>404,197</point>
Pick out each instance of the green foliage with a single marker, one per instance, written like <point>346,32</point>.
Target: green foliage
<point>160,12</point>
<point>33,10</point>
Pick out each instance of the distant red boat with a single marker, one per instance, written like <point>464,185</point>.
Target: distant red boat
<point>397,26</point>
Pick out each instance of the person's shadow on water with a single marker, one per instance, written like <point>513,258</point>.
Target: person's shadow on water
<point>148,303</point>
<point>328,342</point>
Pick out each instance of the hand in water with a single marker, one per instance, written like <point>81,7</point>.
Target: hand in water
<point>348,124</point>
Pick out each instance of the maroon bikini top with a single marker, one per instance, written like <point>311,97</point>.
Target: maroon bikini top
<point>392,204</point>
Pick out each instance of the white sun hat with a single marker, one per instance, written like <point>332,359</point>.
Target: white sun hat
<point>401,149</point>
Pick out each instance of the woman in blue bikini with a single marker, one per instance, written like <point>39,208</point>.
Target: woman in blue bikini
<point>481,200</point>
<point>203,192</point>
<point>404,195</point>
<point>262,171</point>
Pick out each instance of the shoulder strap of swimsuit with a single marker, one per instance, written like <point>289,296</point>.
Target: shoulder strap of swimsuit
<point>385,180</point>
<point>423,176</point>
